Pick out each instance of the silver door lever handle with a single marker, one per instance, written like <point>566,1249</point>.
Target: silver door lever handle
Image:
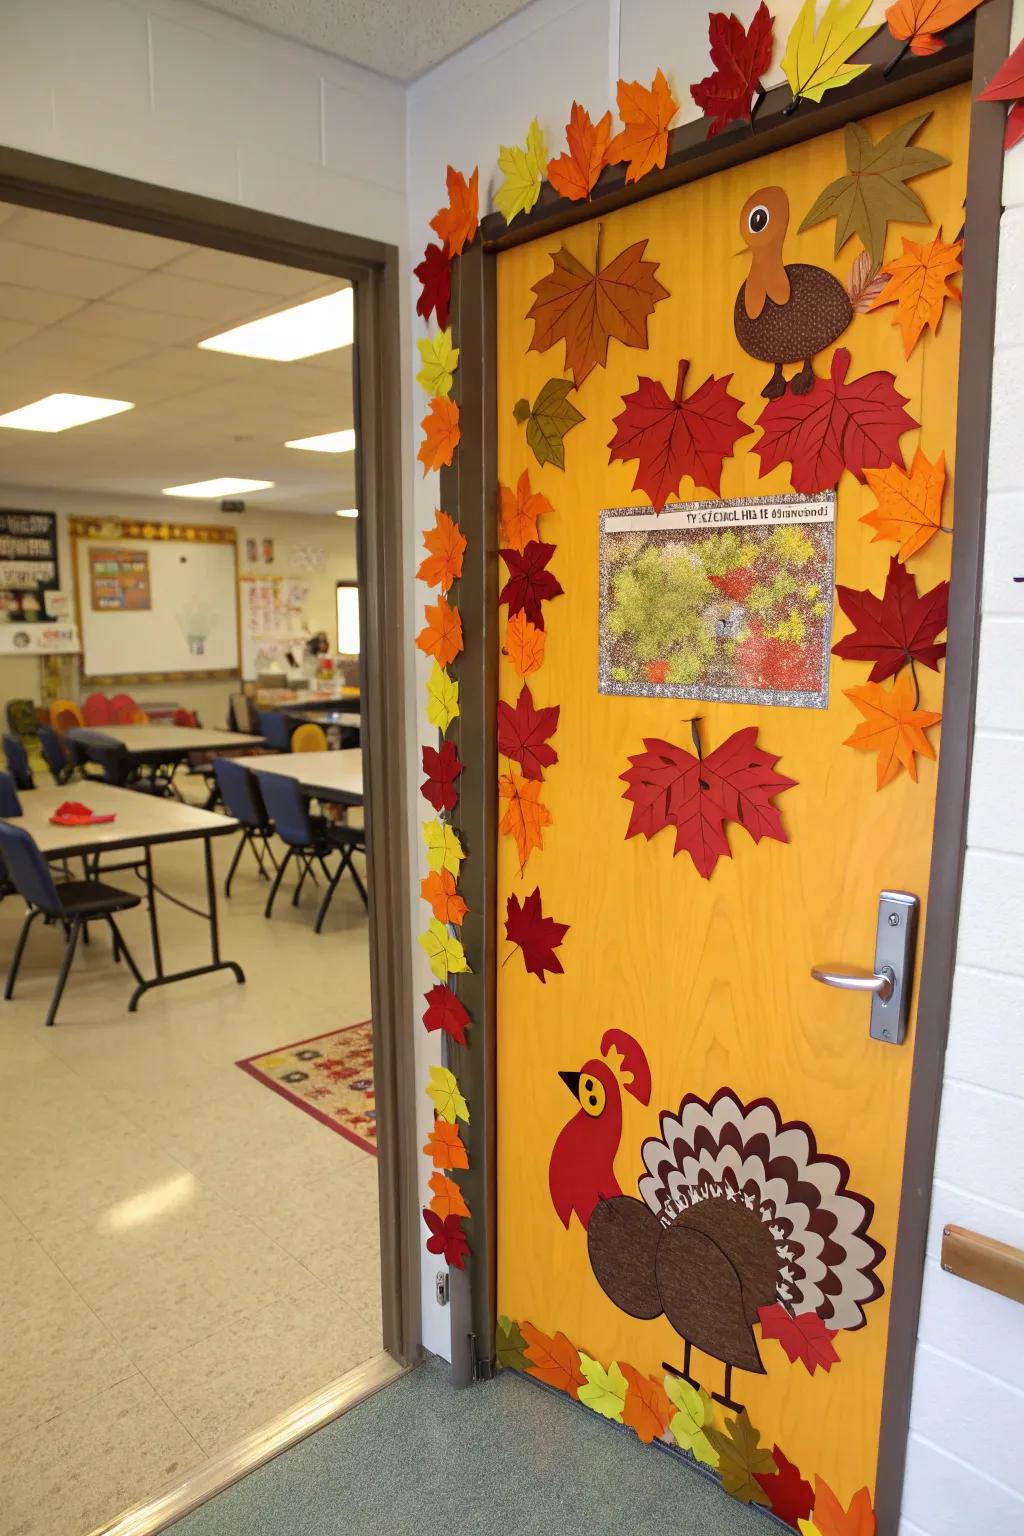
<point>857,978</point>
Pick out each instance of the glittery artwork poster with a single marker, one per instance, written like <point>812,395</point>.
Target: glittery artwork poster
<point>722,600</point>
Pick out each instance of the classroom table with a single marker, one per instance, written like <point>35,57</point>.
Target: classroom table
<point>143,821</point>
<point>166,743</point>
<point>343,719</point>
<point>333,776</point>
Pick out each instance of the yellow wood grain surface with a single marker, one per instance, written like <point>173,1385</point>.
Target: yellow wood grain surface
<point>712,977</point>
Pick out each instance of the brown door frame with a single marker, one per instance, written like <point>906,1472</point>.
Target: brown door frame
<point>372,267</point>
<point>973,52</point>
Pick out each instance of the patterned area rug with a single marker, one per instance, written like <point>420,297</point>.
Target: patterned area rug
<point>330,1077</point>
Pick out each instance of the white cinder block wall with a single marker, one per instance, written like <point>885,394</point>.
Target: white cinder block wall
<point>172,93</point>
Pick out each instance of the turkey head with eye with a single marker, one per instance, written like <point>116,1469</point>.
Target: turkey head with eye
<point>582,1167</point>
<point>784,313</point>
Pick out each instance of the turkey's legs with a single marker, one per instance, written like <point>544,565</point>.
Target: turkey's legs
<point>725,1397</point>
<point>674,1370</point>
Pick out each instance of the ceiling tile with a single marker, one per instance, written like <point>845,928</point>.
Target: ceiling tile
<point>83,237</point>
<point>207,266</point>
<point>104,319</point>
<point>35,307</point>
<point>74,277</point>
<point>214,302</point>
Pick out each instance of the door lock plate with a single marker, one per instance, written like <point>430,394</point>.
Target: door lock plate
<point>894,952</point>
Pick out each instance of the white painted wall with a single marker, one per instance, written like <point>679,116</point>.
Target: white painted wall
<point>967,1412</point>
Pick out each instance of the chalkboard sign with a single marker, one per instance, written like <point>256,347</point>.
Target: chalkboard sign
<point>28,564</point>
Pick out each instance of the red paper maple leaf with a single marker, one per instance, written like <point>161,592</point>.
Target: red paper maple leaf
<point>740,59</point>
<point>837,425</point>
<point>444,1011</point>
<point>792,1498</point>
<point>534,934</point>
<point>672,437</point>
<point>435,275</point>
<point>670,787</point>
<point>529,582</point>
<point>523,733</point>
<point>1007,84</point>
<point>446,1237</point>
<point>896,628</point>
<point>442,769</point>
<point>803,1338</point>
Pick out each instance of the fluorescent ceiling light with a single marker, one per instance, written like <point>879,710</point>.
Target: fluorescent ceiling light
<point>225,486</point>
<point>347,512</point>
<point>56,413</point>
<point>320,325</point>
<point>327,442</point>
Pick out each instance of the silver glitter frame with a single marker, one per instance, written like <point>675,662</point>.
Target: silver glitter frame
<point>818,699</point>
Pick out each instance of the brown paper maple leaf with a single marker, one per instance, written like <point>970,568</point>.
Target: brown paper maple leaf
<point>586,309</point>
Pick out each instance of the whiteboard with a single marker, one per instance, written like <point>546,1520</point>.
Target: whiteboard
<point>191,625</point>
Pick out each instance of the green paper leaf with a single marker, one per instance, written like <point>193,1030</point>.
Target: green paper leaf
<point>442,698</point>
<point>510,1346</point>
<point>440,360</point>
<point>444,1089</point>
<point>604,1391</point>
<point>693,1415</point>
<point>740,1458</point>
<point>443,950</point>
<point>548,420</point>
<point>524,172</point>
<point>873,191</point>
<point>815,60</point>
<point>444,851</point>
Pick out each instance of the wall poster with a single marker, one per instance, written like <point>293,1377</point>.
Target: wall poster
<point>119,580</point>
<point>28,564</point>
<point>722,600</point>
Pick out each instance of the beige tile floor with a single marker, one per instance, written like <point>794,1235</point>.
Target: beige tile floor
<point>183,1254</point>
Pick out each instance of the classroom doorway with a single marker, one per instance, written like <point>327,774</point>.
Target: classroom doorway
<point>203,1214</point>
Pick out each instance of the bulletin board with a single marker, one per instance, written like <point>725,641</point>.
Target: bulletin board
<point>190,626</point>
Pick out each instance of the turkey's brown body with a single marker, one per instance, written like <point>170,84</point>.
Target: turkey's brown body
<point>709,1271</point>
<point>816,313</point>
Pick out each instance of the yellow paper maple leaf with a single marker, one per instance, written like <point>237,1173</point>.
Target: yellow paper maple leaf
<point>443,950</point>
<point>524,171</point>
<point>442,698</point>
<point>909,511</point>
<point>520,510</point>
<point>440,360</point>
<point>444,851</point>
<point>524,644</point>
<point>444,1089</point>
<point>815,60</point>
<point>893,726</point>
<point>919,285</point>
<point>525,818</point>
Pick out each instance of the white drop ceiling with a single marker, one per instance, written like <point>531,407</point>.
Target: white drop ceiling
<point>89,309</point>
<point>400,38</point>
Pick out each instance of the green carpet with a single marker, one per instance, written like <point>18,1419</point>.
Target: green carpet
<point>421,1459</point>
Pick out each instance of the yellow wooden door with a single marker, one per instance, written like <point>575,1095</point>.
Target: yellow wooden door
<point>732,1088</point>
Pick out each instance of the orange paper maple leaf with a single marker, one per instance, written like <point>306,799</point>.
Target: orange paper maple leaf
<point>643,143</point>
<point>525,817</point>
<point>442,635</point>
<point>440,890</point>
<point>587,309</point>
<point>574,174</point>
<point>909,511</point>
<point>441,433</point>
<point>555,1361</point>
<point>919,285</point>
<point>893,727</point>
<point>917,21</point>
<point>524,644</point>
<point>447,1197</point>
<point>830,1519</point>
<point>456,224</point>
<point>520,510</point>
<point>647,1409</point>
<point>445,1146</point>
<point>445,546</point>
